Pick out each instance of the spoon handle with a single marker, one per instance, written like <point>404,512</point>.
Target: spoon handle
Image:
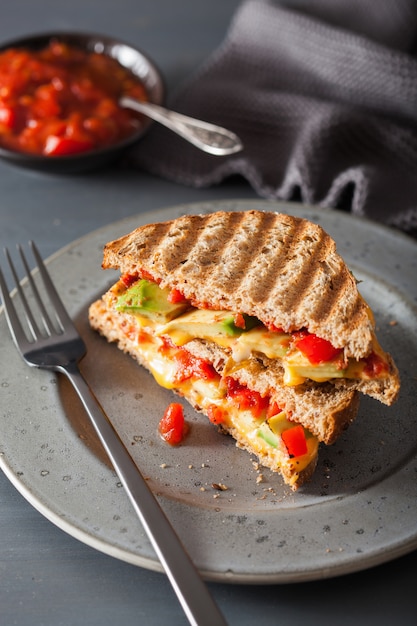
<point>207,137</point>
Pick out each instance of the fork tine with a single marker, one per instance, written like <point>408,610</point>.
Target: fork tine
<point>33,327</point>
<point>44,314</point>
<point>60,310</point>
<point>15,327</point>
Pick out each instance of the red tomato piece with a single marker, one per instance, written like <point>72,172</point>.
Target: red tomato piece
<point>215,414</point>
<point>316,349</point>
<point>173,426</point>
<point>128,279</point>
<point>7,116</point>
<point>375,365</point>
<point>60,146</point>
<point>273,409</point>
<point>148,276</point>
<point>188,366</point>
<point>295,441</point>
<point>246,399</point>
<point>176,297</point>
<point>239,321</point>
<point>275,329</point>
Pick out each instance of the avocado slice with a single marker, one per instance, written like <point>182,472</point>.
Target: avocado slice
<point>265,433</point>
<point>148,299</point>
<point>218,326</point>
<point>278,423</point>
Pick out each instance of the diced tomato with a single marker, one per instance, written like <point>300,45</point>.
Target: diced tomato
<point>128,279</point>
<point>172,426</point>
<point>60,146</point>
<point>144,337</point>
<point>166,345</point>
<point>147,276</point>
<point>245,398</point>
<point>275,329</point>
<point>176,297</point>
<point>239,321</point>
<point>316,349</point>
<point>375,365</point>
<point>215,414</point>
<point>295,441</point>
<point>188,366</point>
<point>64,83</point>
<point>7,116</point>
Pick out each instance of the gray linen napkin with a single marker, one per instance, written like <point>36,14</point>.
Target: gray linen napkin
<point>323,94</point>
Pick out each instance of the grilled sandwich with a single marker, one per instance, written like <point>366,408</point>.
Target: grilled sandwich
<point>256,320</point>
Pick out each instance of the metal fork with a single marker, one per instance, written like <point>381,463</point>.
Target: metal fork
<point>58,346</point>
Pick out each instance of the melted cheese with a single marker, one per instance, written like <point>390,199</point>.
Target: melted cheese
<point>214,326</point>
<point>204,393</point>
<point>205,324</point>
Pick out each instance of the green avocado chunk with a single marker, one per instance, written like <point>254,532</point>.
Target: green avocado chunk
<point>148,299</point>
<point>218,326</point>
<point>265,433</point>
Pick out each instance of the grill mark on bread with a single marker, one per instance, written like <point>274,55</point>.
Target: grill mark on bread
<point>312,276</point>
<point>292,280</point>
<point>139,244</point>
<point>199,262</point>
<point>339,288</point>
<point>264,277</point>
<point>289,276</point>
<point>240,248</point>
<point>179,240</point>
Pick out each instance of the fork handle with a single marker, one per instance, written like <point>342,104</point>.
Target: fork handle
<point>189,587</point>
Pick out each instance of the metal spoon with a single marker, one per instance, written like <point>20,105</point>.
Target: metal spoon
<point>208,137</point>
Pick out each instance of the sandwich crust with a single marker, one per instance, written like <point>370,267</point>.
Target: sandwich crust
<point>284,270</point>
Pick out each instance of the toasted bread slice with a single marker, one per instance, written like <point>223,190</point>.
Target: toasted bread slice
<point>283,270</point>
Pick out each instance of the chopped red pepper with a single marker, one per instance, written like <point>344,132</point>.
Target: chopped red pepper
<point>173,426</point>
<point>316,349</point>
<point>295,441</point>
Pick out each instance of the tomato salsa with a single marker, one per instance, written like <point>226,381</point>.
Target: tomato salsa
<point>64,100</point>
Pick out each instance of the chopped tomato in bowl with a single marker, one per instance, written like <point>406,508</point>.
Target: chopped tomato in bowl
<point>59,100</point>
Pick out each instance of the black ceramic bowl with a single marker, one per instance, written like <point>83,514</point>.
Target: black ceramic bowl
<point>129,57</point>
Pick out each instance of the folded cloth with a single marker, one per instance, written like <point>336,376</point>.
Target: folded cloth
<point>323,94</point>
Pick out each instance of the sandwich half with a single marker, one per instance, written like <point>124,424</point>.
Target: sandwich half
<point>256,320</point>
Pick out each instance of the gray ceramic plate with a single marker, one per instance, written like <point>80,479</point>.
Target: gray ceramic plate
<point>359,510</point>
